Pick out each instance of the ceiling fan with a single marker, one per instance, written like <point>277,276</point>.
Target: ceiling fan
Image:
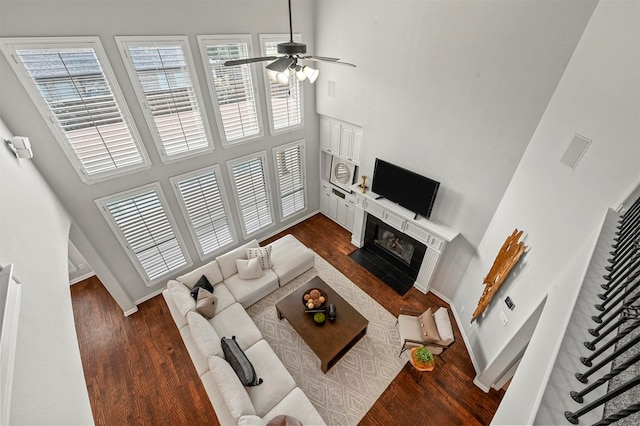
<point>283,66</point>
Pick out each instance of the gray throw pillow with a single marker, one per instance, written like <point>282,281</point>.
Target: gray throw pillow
<point>239,362</point>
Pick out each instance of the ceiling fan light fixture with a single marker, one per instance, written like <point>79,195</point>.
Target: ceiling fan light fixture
<point>283,77</point>
<point>300,75</point>
<point>311,73</point>
<point>273,75</point>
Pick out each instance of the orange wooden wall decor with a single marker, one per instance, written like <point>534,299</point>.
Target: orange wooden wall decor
<point>507,257</point>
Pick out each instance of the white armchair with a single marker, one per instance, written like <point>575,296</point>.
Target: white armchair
<point>432,330</point>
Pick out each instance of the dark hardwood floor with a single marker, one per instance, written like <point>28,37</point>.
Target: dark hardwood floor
<point>138,370</point>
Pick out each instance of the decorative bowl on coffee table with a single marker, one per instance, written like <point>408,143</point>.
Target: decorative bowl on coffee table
<point>314,300</point>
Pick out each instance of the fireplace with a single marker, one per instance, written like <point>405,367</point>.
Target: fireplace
<point>390,255</point>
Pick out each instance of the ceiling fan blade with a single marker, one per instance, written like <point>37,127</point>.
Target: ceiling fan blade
<point>249,60</point>
<point>281,64</point>
<point>325,59</point>
<point>319,58</point>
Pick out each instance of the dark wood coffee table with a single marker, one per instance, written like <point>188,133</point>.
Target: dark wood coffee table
<point>331,340</point>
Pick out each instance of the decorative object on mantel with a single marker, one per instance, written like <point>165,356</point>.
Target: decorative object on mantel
<point>506,259</point>
<point>363,185</point>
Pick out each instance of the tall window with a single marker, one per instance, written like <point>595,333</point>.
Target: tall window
<point>251,187</point>
<point>290,176</point>
<point>73,86</point>
<point>284,101</point>
<point>141,220</point>
<point>161,70</point>
<point>233,89</point>
<point>205,207</point>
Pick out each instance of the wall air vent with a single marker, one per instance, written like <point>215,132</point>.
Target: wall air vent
<point>575,151</point>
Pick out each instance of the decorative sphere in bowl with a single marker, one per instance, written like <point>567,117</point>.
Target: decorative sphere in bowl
<point>315,298</point>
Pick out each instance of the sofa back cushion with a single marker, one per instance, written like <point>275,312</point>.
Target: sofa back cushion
<point>205,336</point>
<point>182,297</point>
<point>234,394</point>
<point>227,262</point>
<point>210,270</point>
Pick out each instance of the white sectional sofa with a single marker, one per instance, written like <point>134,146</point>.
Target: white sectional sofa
<point>234,403</point>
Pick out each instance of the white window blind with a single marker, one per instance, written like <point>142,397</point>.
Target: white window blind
<point>290,174</point>
<point>161,70</point>
<point>249,177</point>
<point>284,101</point>
<point>73,86</point>
<point>204,204</point>
<point>141,221</point>
<point>233,89</point>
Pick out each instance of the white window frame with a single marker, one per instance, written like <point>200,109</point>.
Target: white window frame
<point>216,170</point>
<point>102,204</point>
<point>207,40</point>
<point>262,156</point>
<point>10,46</point>
<point>279,182</point>
<point>124,42</point>
<point>279,38</point>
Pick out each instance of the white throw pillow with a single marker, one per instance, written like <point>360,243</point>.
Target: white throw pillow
<point>263,254</point>
<point>249,269</point>
<point>443,322</point>
<point>234,394</point>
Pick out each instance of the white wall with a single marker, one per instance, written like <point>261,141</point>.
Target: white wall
<point>560,209</point>
<point>451,90</point>
<point>106,19</point>
<point>49,386</point>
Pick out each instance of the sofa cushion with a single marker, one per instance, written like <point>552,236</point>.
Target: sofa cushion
<point>290,258</point>
<point>203,282</point>
<point>248,292</point>
<point>428,327</point>
<point>234,321</point>
<point>206,304</point>
<point>204,335</point>
<point>234,394</point>
<point>210,270</point>
<point>263,254</point>
<point>224,298</point>
<point>181,296</point>
<point>236,357</point>
<point>284,420</point>
<point>227,261</point>
<point>251,421</point>
<point>249,269</point>
<point>296,404</point>
<point>278,382</point>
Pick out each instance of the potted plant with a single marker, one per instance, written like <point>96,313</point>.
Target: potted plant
<point>422,358</point>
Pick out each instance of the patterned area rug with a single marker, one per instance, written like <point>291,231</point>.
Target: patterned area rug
<point>349,389</point>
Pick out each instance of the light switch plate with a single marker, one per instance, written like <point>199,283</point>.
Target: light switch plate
<point>503,318</point>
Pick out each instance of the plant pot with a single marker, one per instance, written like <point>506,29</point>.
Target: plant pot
<point>419,365</point>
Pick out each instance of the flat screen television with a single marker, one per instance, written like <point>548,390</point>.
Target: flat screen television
<point>409,189</point>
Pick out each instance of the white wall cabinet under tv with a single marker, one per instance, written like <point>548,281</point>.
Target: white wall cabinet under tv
<point>338,205</point>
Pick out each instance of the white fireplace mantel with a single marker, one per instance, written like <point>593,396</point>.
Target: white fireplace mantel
<point>433,235</point>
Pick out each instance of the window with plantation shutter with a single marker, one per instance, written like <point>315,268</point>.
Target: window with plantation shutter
<point>290,176</point>
<point>205,207</point>
<point>141,220</point>
<point>251,186</point>
<point>233,89</point>
<point>161,70</point>
<point>73,86</point>
<point>284,100</point>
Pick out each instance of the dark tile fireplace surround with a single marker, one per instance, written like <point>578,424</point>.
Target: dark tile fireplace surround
<point>390,255</point>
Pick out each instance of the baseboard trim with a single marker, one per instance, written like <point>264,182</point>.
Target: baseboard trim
<point>82,278</point>
<point>149,296</point>
<point>131,311</point>
<point>289,225</point>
